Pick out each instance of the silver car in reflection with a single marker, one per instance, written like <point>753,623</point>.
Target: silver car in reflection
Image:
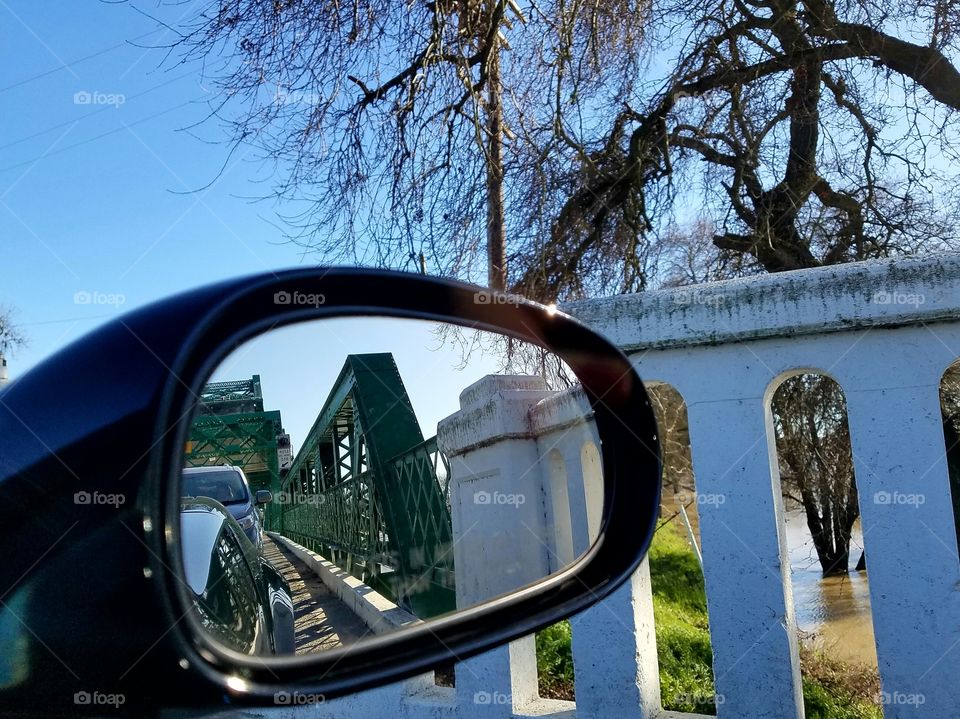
<point>238,596</point>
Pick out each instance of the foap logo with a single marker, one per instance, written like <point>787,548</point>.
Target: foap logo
<point>499,499</point>
<point>701,498</point>
<point>286,96</point>
<point>99,699</point>
<point>99,499</point>
<point>688,297</point>
<point>95,97</point>
<point>297,699</point>
<point>491,698</point>
<point>901,699</point>
<point>290,498</point>
<point>312,299</point>
<point>494,298</point>
<point>111,299</point>
<point>912,299</point>
<point>699,698</point>
<point>902,498</point>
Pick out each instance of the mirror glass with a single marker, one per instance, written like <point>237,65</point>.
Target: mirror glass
<point>346,478</point>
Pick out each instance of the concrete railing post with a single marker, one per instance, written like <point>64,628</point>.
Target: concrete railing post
<point>615,654</point>
<point>892,384</point>
<point>497,508</point>
<point>746,571</point>
<point>885,331</point>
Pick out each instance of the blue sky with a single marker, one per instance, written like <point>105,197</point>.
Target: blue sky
<point>92,158</point>
<point>97,216</point>
<point>298,365</point>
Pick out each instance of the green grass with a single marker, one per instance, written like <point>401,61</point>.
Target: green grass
<point>683,637</point>
<point>555,661</point>
<point>831,690</point>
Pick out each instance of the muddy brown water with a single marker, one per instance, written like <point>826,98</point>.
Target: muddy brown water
<point>833,613</point>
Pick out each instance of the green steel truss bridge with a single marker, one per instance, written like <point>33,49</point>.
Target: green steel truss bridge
<point>366,490</point>
<point>231,427</point>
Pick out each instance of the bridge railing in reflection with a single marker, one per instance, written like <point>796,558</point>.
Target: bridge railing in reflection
<point>344,523</point>
<point>348,524</point>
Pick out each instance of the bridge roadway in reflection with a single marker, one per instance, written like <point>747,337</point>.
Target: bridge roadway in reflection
<point>322,621</point>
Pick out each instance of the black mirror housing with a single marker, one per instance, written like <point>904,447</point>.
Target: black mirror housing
<point>92,438</point>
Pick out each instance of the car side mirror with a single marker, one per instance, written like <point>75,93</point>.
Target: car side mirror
<point>98,574</point>
<point>263,496</point>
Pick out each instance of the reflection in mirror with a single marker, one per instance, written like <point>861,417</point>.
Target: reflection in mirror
<point>351,477</point>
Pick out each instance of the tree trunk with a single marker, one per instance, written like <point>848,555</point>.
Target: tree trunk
<point>837,562</point>
<point>496,231</point>
<point>834,555</point>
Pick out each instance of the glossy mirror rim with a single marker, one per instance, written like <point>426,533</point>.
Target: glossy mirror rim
<point>624,420</point>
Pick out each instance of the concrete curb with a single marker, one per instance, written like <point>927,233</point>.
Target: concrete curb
<point>376,611</point>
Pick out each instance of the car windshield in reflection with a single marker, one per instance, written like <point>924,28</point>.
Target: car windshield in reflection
<point>223,484</point>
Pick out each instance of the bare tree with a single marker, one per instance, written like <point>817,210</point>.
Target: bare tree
<point>674,433</point>
<point>816,463</point>
<point>11,336</point>
<point>687,256</point>
<point>600,148</point>
<point>572,137</point>
<point>808,133</point>
<point>412,134</point>
<point>950,411</point>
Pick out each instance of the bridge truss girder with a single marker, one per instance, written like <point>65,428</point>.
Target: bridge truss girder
<point>361,494</point>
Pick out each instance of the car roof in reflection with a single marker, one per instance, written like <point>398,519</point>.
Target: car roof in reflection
<point>201,520</point>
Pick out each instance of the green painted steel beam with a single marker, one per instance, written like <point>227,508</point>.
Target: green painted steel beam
<point>232,428</point>
<point>321,427</point>
<point>365,482</point>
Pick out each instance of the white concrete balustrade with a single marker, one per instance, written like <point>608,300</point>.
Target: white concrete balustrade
<point>886,332</point>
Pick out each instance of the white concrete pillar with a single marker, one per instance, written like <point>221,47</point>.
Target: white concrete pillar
<point>568,444</point>
<point>496,488</point>
<point>559,518</point>
<point>615,653</point>
<point>498,683</point>
<point>892,385</point>
<point>746,571</point>
<point>499,527</point>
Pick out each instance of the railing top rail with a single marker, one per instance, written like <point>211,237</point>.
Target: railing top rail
<point>334,488</point>
<point>428,445</point>
<point>876,293</point>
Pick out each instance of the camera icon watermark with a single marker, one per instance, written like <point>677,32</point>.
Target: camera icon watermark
<point>701,498</point>
<point>699,699</point>
<point>901,699</point>
<point>286,96</point>
<point>491,698</point>
<point>99,499</point>
<point>95,97</point>
<point>899,498</point>
<point>111,299</point>
<point>499,499</point>
<point>687,297</point>
<point>99,699</point>
<point>297,698</point>
<point>883,297</point>
<point>291,498</point>
<point>494,298</point>
<point>311,299</point>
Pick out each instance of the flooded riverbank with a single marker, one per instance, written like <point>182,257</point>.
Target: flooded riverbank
<point>833,613</point>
